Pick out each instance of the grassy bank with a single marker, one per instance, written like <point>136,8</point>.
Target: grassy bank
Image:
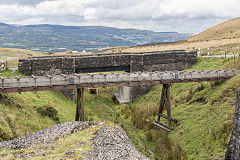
<point>205,112</point>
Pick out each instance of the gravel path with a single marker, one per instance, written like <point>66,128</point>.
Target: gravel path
<point>109,142</point>
<point>46,135</point>
<point>113,143</point>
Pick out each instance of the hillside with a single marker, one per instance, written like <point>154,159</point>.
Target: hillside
<point>204,111</point>
<point>18,53</point>
<point>12,55</point>
<point>226,30</point>
<point>225,36</point>
<point>57,38</point>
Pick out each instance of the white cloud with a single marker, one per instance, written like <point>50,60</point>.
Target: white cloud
<point>158,15</point>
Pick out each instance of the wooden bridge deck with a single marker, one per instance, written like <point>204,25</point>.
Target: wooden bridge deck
<point>38,83</point>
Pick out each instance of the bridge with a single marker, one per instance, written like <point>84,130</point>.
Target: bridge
<point>125,62</point>
<point>141,76</point>
<point>39,83</point>
<point>80,81</point>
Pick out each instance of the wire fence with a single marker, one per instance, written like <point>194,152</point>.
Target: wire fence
<point>5,65</point>
<point>218,51</point>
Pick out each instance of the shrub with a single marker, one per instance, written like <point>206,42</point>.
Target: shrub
<point>215,83</point>
<point>201,100</point>
<point>49,111</point>
<point>116,120</point>
<point>189,94</point>
<point>88,116</point>
<point>199,87</point>
<point>141,116</point>
<point>149,135</point>
<point>166,147</point>
<point>174,102</point>
<point>126,115</point>
<point>225,131</point>
<point>3,135</point>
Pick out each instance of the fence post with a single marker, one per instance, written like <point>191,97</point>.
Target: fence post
<point>199,52</point>
<point>234,56</point>
<point>208,51</point>
<point>6,67</point>
<point>225,55</point>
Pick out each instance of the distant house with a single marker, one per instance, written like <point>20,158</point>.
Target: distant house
<point>20,54</point>
<point>35,49</point>
<point>74,51</point>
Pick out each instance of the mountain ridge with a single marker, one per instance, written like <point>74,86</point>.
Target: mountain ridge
<point>49,38</point>
<point>224,36</point>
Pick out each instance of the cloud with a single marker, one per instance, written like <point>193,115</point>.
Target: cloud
<point>21,2</point>
<point>158,15</point>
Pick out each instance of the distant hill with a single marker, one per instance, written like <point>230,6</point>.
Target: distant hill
<point>224,36</point>
<point>57,38</point>
<point>226,30</point>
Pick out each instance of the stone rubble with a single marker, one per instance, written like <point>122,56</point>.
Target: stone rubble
<point>46,135</point>
<point>108,144</point>
<point>113,143</point>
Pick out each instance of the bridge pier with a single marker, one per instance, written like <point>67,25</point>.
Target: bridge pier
<point>80,116</point>
<point>164,102</point>
<point>123,94</point>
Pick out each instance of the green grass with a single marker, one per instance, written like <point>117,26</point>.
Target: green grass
<point>10,73</point>
<point>19,114</point>
<point>205,113</point>
<point>205,120</point>
<point>19,111</point>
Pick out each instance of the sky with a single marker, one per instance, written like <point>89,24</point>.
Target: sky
<point>188,16</point>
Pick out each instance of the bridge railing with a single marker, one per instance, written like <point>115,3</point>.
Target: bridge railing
<point>113,79</point>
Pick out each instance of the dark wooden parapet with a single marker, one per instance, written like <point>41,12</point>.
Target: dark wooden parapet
<point>38,83</point>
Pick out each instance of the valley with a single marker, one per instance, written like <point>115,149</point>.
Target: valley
<point>205,110</point>
<point>191,100</point>
<point>56,38</point>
